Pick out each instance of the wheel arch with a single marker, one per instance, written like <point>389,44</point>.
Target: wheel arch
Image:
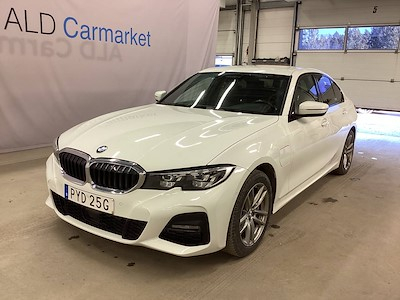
<point>270,172</point>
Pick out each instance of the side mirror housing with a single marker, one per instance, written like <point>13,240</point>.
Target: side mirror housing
<point>312,108</point>
<point>159,95</point>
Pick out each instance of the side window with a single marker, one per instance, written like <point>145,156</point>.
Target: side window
<point>305,91</point>
<point>326,89</point>
<point>338,93</point>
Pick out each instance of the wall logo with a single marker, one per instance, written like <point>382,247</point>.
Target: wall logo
<point>72,29</point>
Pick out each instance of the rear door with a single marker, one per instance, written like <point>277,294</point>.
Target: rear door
<point>331,94</point>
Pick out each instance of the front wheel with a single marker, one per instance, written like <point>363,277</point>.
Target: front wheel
<point>250,215</point>
<point>347,155</point>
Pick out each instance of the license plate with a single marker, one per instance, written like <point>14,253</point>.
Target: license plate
<point>89,199</point>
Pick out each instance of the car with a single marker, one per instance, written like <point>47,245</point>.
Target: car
<point>204,167</point>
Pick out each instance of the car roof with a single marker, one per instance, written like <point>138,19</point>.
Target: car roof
<point>267,69</point>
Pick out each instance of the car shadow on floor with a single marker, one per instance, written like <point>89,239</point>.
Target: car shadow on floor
<point>119,255</point>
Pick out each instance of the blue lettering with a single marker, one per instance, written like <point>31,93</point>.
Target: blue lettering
<point>142,40</point>
<point>133,38</point>
<point>85,33</point>
<point>118,37</point>
<point>148,38</point>
<point>106,32</point>
<point>72,36</point>
<point>126,36</point>
<point>72,29</point>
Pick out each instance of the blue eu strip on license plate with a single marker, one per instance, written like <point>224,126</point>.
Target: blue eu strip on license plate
<point>66,191</point>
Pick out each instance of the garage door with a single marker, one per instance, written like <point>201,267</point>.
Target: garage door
<point>366,61</point>
<point>226,32</point>
<point>274,32</point>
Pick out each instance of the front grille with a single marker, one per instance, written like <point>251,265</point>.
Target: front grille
<point>73,165</point>
<point>127,228</point>
<point>107,174</point>
<point>114,176</point>
<point>189,229</point>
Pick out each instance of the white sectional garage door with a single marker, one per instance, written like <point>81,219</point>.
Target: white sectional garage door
<point>226,32</point>
<point>371,78</point>
<point>366,76</point>
<point>274,33</point>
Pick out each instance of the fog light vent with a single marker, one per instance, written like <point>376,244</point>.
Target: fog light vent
<point>187,229</point>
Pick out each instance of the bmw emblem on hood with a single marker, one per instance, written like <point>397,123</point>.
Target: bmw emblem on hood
<point>101,149</point>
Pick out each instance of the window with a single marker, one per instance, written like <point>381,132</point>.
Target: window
<point>232,91</point>
<point>223,60</point>
<point>321,39</point>
<point>358,38</point>
<point>373,38</point>
<point>316,87</point>
<point>305,91</point>
<point>327,90</point>
<point>338,93</point>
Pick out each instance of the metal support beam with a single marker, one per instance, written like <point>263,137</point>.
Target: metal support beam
<point>239,32</point>
<point>293,51</point>
<point>254,12</point>
<point>263,5</point>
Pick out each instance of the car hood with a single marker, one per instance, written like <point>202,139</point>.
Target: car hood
<point>160,137</point>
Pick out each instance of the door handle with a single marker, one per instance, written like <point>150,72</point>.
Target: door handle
<point>324,123</point>
<point>345,112</point>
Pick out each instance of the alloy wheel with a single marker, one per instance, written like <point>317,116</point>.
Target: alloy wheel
<point>348,151</point>
<point>254,214</point>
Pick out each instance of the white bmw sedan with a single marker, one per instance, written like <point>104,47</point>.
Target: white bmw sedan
<point>204,168</point>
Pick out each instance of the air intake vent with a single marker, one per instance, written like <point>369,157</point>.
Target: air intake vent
<point>73,165</point>
<point>115,175</point>
<point>127,228</point>
<point>189,229</point>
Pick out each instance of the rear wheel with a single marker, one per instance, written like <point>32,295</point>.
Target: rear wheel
<point>347,155</point>
<point>250,215</point>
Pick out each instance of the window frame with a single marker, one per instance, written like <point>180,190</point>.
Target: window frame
<point>346,39</point>
<point>333,83</point>
<point>396,47</point>
<point>321,49</point>
<point>292,112</point>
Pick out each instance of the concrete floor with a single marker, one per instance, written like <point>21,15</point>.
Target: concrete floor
<point>340,239</point>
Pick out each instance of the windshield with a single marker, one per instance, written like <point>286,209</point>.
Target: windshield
<point>236,92</point>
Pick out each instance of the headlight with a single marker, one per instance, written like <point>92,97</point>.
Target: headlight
<point>188,179</point>
<point>55,147</point>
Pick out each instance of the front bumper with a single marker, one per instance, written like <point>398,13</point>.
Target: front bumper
<point>156,211</point>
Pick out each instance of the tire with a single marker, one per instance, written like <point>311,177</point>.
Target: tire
<point>347,155</point>
<point>250,215</point>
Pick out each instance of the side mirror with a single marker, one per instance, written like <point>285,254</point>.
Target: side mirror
<point>159,95</point>
<point>312,108</point>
